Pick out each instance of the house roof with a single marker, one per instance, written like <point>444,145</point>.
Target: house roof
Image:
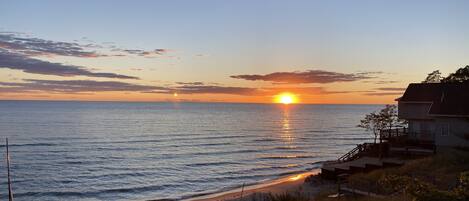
<point>448,99</point>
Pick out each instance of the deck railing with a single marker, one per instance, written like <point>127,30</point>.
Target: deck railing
<point>393,133</point>
<point>356,152</point>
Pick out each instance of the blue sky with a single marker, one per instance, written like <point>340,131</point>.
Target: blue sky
<point>404,39</point>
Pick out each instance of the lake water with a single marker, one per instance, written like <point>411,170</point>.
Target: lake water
<point>139,151</point>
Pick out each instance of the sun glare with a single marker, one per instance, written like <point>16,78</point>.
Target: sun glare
<point>286,98</point>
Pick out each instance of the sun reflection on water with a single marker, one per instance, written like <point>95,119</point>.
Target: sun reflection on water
<point>286,134</point>
<point>297,177</point>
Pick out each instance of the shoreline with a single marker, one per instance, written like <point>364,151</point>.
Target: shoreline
<point>275,186</point>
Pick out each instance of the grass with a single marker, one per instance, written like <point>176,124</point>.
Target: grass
<point>324,196</point>
<point>438,177</point>
<point>441,170</point>
<point>280,197</point>
<point>434,178</point>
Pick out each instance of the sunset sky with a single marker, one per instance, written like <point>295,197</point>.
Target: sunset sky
<point>227,51</point>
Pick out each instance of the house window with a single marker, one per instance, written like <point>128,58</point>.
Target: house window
<point>444,129</point>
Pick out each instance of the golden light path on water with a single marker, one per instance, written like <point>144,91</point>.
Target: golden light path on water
<point>286,130</point>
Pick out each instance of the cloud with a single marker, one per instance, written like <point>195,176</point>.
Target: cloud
<point>190,83</point>
<point>145,53</point>
<point>386,91</point>
<point>382,82</point>
<point>210,89</point>
<point>391,89</point>
<point>297,90</point>
<point>73,86</point>
<point>83,86</point>
<point>191,89</point>
<point>30,46</point>
<point>30,65</point>
<point>201,88</point>
<point>87,86</point>
<point>383,94</point>
<point>40,47</point>
<point>310,76</point>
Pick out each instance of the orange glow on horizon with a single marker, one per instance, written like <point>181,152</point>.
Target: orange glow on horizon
<point>339,98</point>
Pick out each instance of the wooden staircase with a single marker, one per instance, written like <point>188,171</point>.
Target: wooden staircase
<point>364,164</point>
<point>368,156</point>
<point>356,152</point>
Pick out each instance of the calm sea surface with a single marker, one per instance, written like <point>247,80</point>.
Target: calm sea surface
<point>138,151</point>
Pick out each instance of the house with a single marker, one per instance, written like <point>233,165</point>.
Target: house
<point>437,113</point>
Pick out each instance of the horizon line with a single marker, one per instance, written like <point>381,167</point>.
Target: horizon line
<point>174,102</point>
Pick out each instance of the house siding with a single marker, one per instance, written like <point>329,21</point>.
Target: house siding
<point>457,135</point>
<point>438,112</point>
<point>413,110</point>
<point>422,130</point>
<point>444,131</point>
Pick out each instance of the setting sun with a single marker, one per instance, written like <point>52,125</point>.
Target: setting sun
<point>286,98</point>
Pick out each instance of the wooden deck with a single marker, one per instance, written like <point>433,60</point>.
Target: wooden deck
<point>411,151</point>
<point>393,143</point>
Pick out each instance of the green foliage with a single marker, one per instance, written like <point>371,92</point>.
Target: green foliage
<point>278,197</point>
<point>376,121</point>
<point>461,75</point>
<point>325,193</point>
<point>433,77</point>
<point>441,177</point>
<point>464,180</point>
<point>287,197</point>
<point>423,191</point>
<point>442,170</point>
<point>463,188</point>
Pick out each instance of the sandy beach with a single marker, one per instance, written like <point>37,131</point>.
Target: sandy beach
<point>293,183</point>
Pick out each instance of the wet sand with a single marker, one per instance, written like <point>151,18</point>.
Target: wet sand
<point>290,184</point>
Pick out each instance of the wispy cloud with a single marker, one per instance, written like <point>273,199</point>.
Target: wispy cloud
<point>144,53</point>
<point>382,82</point>
<point>87,86</point>
<point>210,89</point>
<point>391,89</point>
<point>40,47</point>
<point>190,83</point>
<point>31,46</point>
<point>21,62</point>
<point>301,90</point>
<point>310,76</point>
<point>386,91</point>
<point>72,86</point>
<point>383,94</point>
<point>201,88</point>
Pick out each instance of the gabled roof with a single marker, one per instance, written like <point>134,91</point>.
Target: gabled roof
<point>447,99</point>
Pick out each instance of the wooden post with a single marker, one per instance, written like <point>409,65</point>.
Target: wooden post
<point>380,148</point>
<point>338,187</point>
<point>10,193</point>
<point>242,191</point>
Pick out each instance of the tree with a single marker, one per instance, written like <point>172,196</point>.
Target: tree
<point>385,118</point>
<point>461,75</point>
<point>433,77</point>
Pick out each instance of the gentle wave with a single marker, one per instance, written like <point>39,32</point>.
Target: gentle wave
<point>30,145</point>
<point>287,157</point>
<point>135,151</point>
<point>212,164</point>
